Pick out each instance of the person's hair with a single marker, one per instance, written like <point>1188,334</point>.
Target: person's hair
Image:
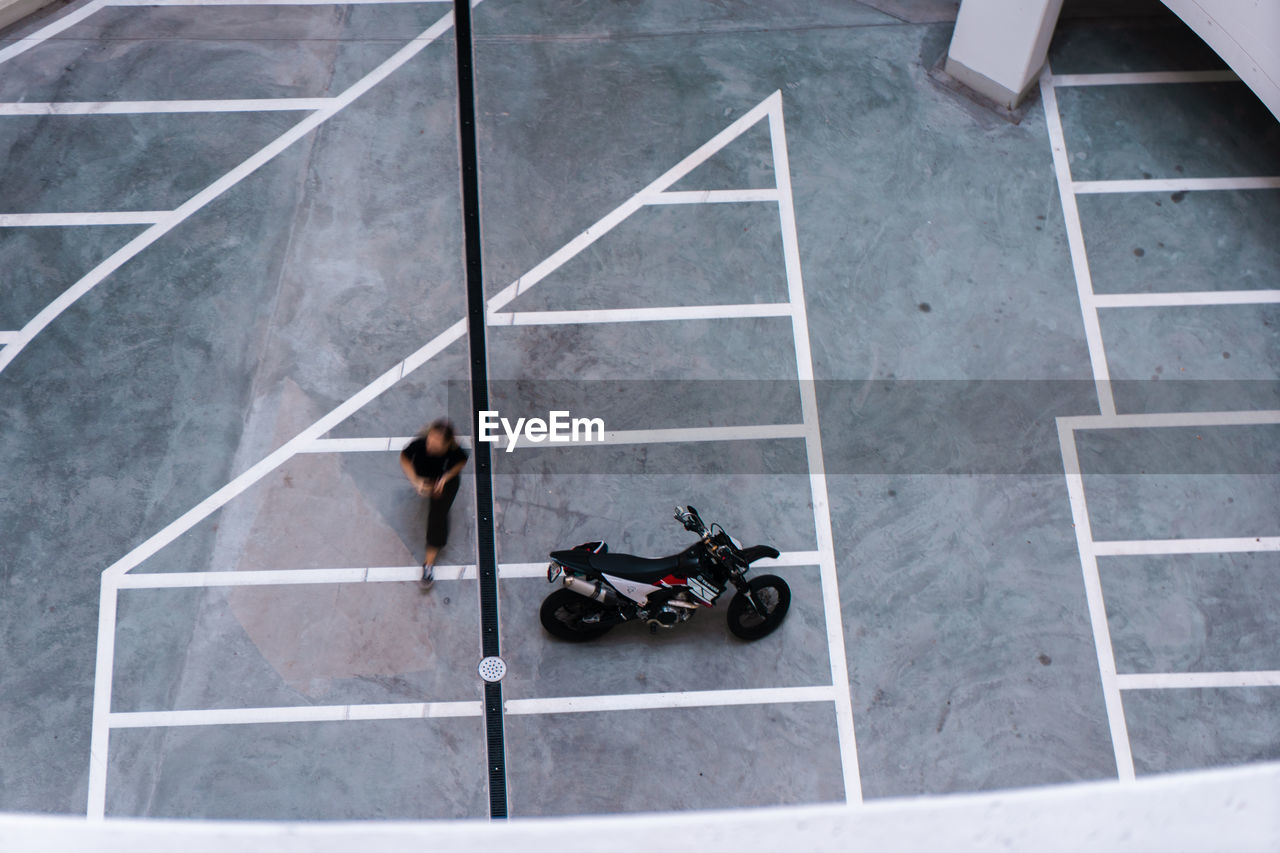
<point>444,425</point>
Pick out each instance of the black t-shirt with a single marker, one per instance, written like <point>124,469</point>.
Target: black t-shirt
<point>429,466</point>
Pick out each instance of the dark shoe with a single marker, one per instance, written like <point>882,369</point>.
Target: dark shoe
<point>428,577</point>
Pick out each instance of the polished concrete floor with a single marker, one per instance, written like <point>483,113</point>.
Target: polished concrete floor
<point>944,332</point>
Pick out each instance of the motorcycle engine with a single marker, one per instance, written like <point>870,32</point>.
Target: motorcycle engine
<point>666,617</point>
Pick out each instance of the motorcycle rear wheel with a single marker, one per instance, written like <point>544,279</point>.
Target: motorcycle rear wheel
<point>563,612</point>
<point>775,598</point>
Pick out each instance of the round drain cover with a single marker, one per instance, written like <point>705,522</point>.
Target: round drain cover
<point>492,669</point>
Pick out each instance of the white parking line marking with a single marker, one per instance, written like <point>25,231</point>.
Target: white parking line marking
<point>264,155</point>
<point>374,574</point>
<point>1256,417</point>
<point>1142,78</point>
<point>1198,680</point>
<point>710,196</point>
<point>294,714</point>
<point>79,108</point>
<point>639,315</point>
<point>832,615</point>
<point>1137,547</point>
<point>41,35</point>
<point>1097,608</point>
<point>6,337</point>
<point>1075,242</point>
<point>100,732</point>
<point>120,217</point>
<point>1174,185</point>
<point>686,699</point>
<point>1186,298</point>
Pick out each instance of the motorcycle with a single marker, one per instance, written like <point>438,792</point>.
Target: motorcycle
<point>600,589</point>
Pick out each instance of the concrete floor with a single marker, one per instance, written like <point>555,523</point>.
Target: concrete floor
<point>946,334</point>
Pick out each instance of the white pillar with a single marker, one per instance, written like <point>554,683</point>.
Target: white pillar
<point>999,46</point>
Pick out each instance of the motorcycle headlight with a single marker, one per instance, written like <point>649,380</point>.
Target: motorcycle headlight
<point>553,571</point>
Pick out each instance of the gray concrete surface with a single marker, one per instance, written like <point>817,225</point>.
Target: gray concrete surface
<point>946,335</point>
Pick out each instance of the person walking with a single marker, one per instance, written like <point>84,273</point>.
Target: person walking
<point>432,462</point>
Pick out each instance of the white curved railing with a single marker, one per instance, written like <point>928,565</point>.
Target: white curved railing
<point>1203,811</point>
<point>1246,34</point>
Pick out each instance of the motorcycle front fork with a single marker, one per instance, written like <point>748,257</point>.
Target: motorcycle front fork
<point>740,583</point>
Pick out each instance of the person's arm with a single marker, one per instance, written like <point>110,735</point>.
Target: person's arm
<point>420,484</point>
<point>449,475</point>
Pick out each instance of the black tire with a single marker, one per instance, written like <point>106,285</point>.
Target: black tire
<point>774,596</point>
<point>562,614</point>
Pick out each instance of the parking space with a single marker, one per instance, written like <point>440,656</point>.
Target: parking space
<point>407,769</point>
<point>771,257</point>
<point>708,758</point>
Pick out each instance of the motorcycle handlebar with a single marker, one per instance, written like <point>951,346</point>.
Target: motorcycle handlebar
<point>688,516</point>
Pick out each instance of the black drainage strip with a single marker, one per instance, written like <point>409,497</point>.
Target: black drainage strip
<point>486,555</point>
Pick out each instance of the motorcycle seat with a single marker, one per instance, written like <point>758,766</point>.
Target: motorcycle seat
<point>642,569</point>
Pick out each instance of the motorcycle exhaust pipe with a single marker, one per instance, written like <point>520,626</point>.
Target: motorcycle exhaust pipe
<point>593,590</point>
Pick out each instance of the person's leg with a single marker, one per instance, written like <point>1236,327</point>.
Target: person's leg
<point>437,528</point>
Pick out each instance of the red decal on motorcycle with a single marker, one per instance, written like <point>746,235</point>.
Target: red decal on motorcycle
<point>672,580</point>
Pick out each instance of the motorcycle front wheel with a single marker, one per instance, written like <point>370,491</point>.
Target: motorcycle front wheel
<point>774,597</point>
<point>573,617</point>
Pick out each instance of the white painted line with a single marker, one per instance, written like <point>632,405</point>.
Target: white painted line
<point>1173,185</point>
<point>270,577</point>
<point>6,337</point>
<point>77,108</point>
<point>1257,417</point>
<point>372,574</point>
<point>1136,547</point>
<point>294,714</point>
<point>1188,298</point>
<point>100,730</point>
<point>121,217</point>
<point>218,187</point>
<point>610,220</point>
<point>1198,680</point>
<point>638,315</point>
<point>1142,78</point>
<point>1075,241</point>
<point>22,45</point>
<point>832,615</point>
<point>653,701</point>
<point>711,196</point>
<point>1097,607</point>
